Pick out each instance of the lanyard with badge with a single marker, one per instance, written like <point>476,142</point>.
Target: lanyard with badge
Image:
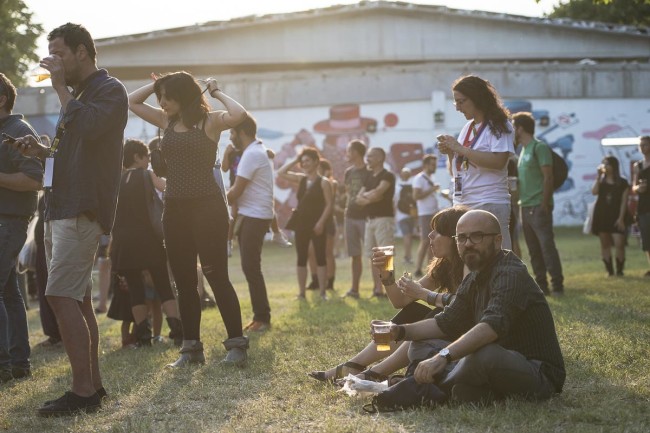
<point>49,160</point>
<point>462,163</point>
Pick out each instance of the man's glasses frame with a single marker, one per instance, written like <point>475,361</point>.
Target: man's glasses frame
<point>474,237</point>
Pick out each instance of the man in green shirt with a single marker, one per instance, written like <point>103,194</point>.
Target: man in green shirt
<point>536,201</point>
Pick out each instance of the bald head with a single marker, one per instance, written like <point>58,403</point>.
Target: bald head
<point>478,221</point>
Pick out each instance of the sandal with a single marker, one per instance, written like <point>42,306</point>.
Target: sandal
<point>320,375</point>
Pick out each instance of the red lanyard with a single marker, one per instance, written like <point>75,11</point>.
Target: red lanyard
<point>468,143</point>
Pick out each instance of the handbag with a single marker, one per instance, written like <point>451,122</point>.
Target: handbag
<point>294,219</point>
<point>154,206</point>
<point>586,227</point>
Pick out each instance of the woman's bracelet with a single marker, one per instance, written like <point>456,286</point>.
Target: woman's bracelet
<point>446,298</point>
<point>213,91</point>
<point>401,333</point>
<point>431,298</point>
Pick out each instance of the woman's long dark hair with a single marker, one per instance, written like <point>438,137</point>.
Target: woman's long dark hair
<point>182,88</point>
<point>447,273</point>
<point>486,99</point>
<point>616,168</point>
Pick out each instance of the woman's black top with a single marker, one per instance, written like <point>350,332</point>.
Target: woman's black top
<point>311,203</point>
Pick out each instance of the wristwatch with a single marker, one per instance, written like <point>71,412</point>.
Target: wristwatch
<point>445,354</point>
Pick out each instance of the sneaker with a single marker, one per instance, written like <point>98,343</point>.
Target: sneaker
<point>208,302</point>
<point>256,326</point>
<point>280,239</point>
<point>70,404</point>
<point>158,339</point>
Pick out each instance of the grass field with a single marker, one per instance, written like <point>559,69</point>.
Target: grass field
<point>603,326</point>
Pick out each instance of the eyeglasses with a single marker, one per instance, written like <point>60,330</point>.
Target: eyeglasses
<point>474,238</point>
<point>458,102</point>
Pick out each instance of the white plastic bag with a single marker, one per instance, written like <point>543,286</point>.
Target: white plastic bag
<point>27,255</point>
<point>358,387</point>
<point>586,227</point>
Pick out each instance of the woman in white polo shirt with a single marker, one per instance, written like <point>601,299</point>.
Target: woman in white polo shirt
<point>478,159</point>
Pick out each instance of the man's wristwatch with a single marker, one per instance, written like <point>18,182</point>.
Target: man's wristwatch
<point>445,354</point>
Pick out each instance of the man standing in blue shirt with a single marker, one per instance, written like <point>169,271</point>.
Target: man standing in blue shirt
<point>82,177</point>
<point>20,179</point>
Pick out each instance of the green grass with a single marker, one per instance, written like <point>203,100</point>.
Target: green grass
<point>603,326</point>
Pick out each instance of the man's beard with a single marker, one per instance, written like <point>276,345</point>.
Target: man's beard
<point>477,259</point>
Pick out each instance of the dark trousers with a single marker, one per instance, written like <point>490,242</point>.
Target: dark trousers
<point>251,240</point>
<point>48,320</point>
<point>302,239</point>
<point>14,335</point>
<point>538,232</point>
<point>503,372</point>
<point>200,226</point>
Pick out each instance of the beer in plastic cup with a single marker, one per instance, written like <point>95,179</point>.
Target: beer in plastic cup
<point>381,335</point>
<point>389,252</point>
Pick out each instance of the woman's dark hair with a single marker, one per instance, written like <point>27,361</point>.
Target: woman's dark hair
<point>486,99</point>
<point>448,273</point>
<point>133,147</point>
<point>616,169</point>
<point>182,88</point>
<point>324,165</point>
<point>311,153</point>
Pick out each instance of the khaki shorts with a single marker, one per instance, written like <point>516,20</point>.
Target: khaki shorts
<point>379,232</point>
<point>70,247</point>
<point>354,233</point>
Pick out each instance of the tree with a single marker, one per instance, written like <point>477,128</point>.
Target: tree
<point>18,34</point>
<point>627,12</point>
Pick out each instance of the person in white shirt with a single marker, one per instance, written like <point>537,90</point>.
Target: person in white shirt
<point>253,195</point>
<point>478,164</point>
<point>424,193</point>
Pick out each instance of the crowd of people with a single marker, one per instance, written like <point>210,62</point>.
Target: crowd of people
<point>474,324</point>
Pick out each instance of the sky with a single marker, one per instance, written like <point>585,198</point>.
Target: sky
<point>123,17</point>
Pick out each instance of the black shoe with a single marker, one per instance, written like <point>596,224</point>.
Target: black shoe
<point>208,302</point>
<point>71,404</point>
<point>101,392</point>
<point>20,372</point>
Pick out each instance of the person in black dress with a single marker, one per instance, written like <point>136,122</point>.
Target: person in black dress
<point>611,219</point>
<point>314,209</point>
<point>136,248</point>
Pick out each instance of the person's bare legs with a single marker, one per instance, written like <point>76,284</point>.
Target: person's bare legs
<point>301,271</point>
<point>423,250</point>
<point>170,308</point>
<point>408,247</point>
<point>370,355</point>
<point>377,289</point>
<point>396,360</point>
<point>77,325</point>
<point>331,259</point>
<point>321,271</point>
<point>357,269</point>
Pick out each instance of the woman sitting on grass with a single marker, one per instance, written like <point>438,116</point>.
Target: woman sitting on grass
<point>436,288</point>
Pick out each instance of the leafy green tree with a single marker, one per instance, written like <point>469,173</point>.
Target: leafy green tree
<point>18,35</point>
<point>627,12</point>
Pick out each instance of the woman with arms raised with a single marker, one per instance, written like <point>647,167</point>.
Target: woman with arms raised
<point>195,219</point>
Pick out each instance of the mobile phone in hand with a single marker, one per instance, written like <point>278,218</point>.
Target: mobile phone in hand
<point>8,138</point>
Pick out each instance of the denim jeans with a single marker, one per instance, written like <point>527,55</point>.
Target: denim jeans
<point>14,340</point>
<point>502,213</point>
<point>251,240</point>
<point>538,232</point>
